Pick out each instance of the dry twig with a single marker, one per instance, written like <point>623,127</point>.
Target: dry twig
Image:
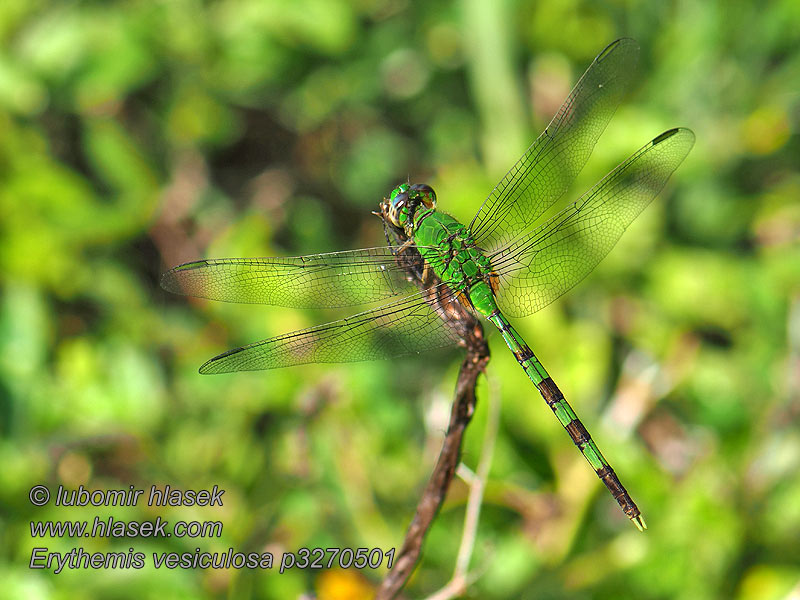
<point>449,457</point>
<point>462,578</point>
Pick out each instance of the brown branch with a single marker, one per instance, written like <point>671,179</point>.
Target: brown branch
<point>434,494</point>
<point>462,577</point>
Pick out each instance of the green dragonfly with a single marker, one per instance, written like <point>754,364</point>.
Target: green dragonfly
<point>507,261</point>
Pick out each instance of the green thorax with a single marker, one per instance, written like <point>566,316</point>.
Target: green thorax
<point>447,246</point>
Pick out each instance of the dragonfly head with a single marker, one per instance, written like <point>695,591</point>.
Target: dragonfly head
<point>404,201</point>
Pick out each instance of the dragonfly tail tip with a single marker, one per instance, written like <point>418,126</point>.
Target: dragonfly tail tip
<point>638,520</point>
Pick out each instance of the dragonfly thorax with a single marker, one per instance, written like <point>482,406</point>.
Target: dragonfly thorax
<point>404,201</point>
<point>448,248</point>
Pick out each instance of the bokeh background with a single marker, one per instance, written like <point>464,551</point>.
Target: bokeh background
<point>135,135</point>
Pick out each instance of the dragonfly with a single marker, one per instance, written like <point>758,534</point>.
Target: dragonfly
<point>510,260</point>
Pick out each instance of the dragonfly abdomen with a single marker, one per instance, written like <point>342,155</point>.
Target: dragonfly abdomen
<point>524,355</point>
<point>566,416</point>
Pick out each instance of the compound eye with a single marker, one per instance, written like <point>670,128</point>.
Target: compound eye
<point>424,193</point>
<point>398,209</point>
<point>400,189</point>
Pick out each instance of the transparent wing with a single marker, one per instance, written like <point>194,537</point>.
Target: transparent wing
<point>551,163</point>
<point>328,280</point>
<point>407,326</point>
<point>540,266</point>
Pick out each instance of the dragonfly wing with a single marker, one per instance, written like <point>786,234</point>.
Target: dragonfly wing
<point>540,266</point>
<point>548,167</point>
<point>407,326</point>
<point>328,280</point>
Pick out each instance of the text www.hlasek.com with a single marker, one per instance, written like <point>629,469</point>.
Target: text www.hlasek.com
<point>111,527</point>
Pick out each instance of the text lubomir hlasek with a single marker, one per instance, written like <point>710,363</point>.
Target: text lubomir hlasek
<point>168,496</point>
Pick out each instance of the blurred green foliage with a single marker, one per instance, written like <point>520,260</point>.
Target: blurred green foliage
<point>135,135</point>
